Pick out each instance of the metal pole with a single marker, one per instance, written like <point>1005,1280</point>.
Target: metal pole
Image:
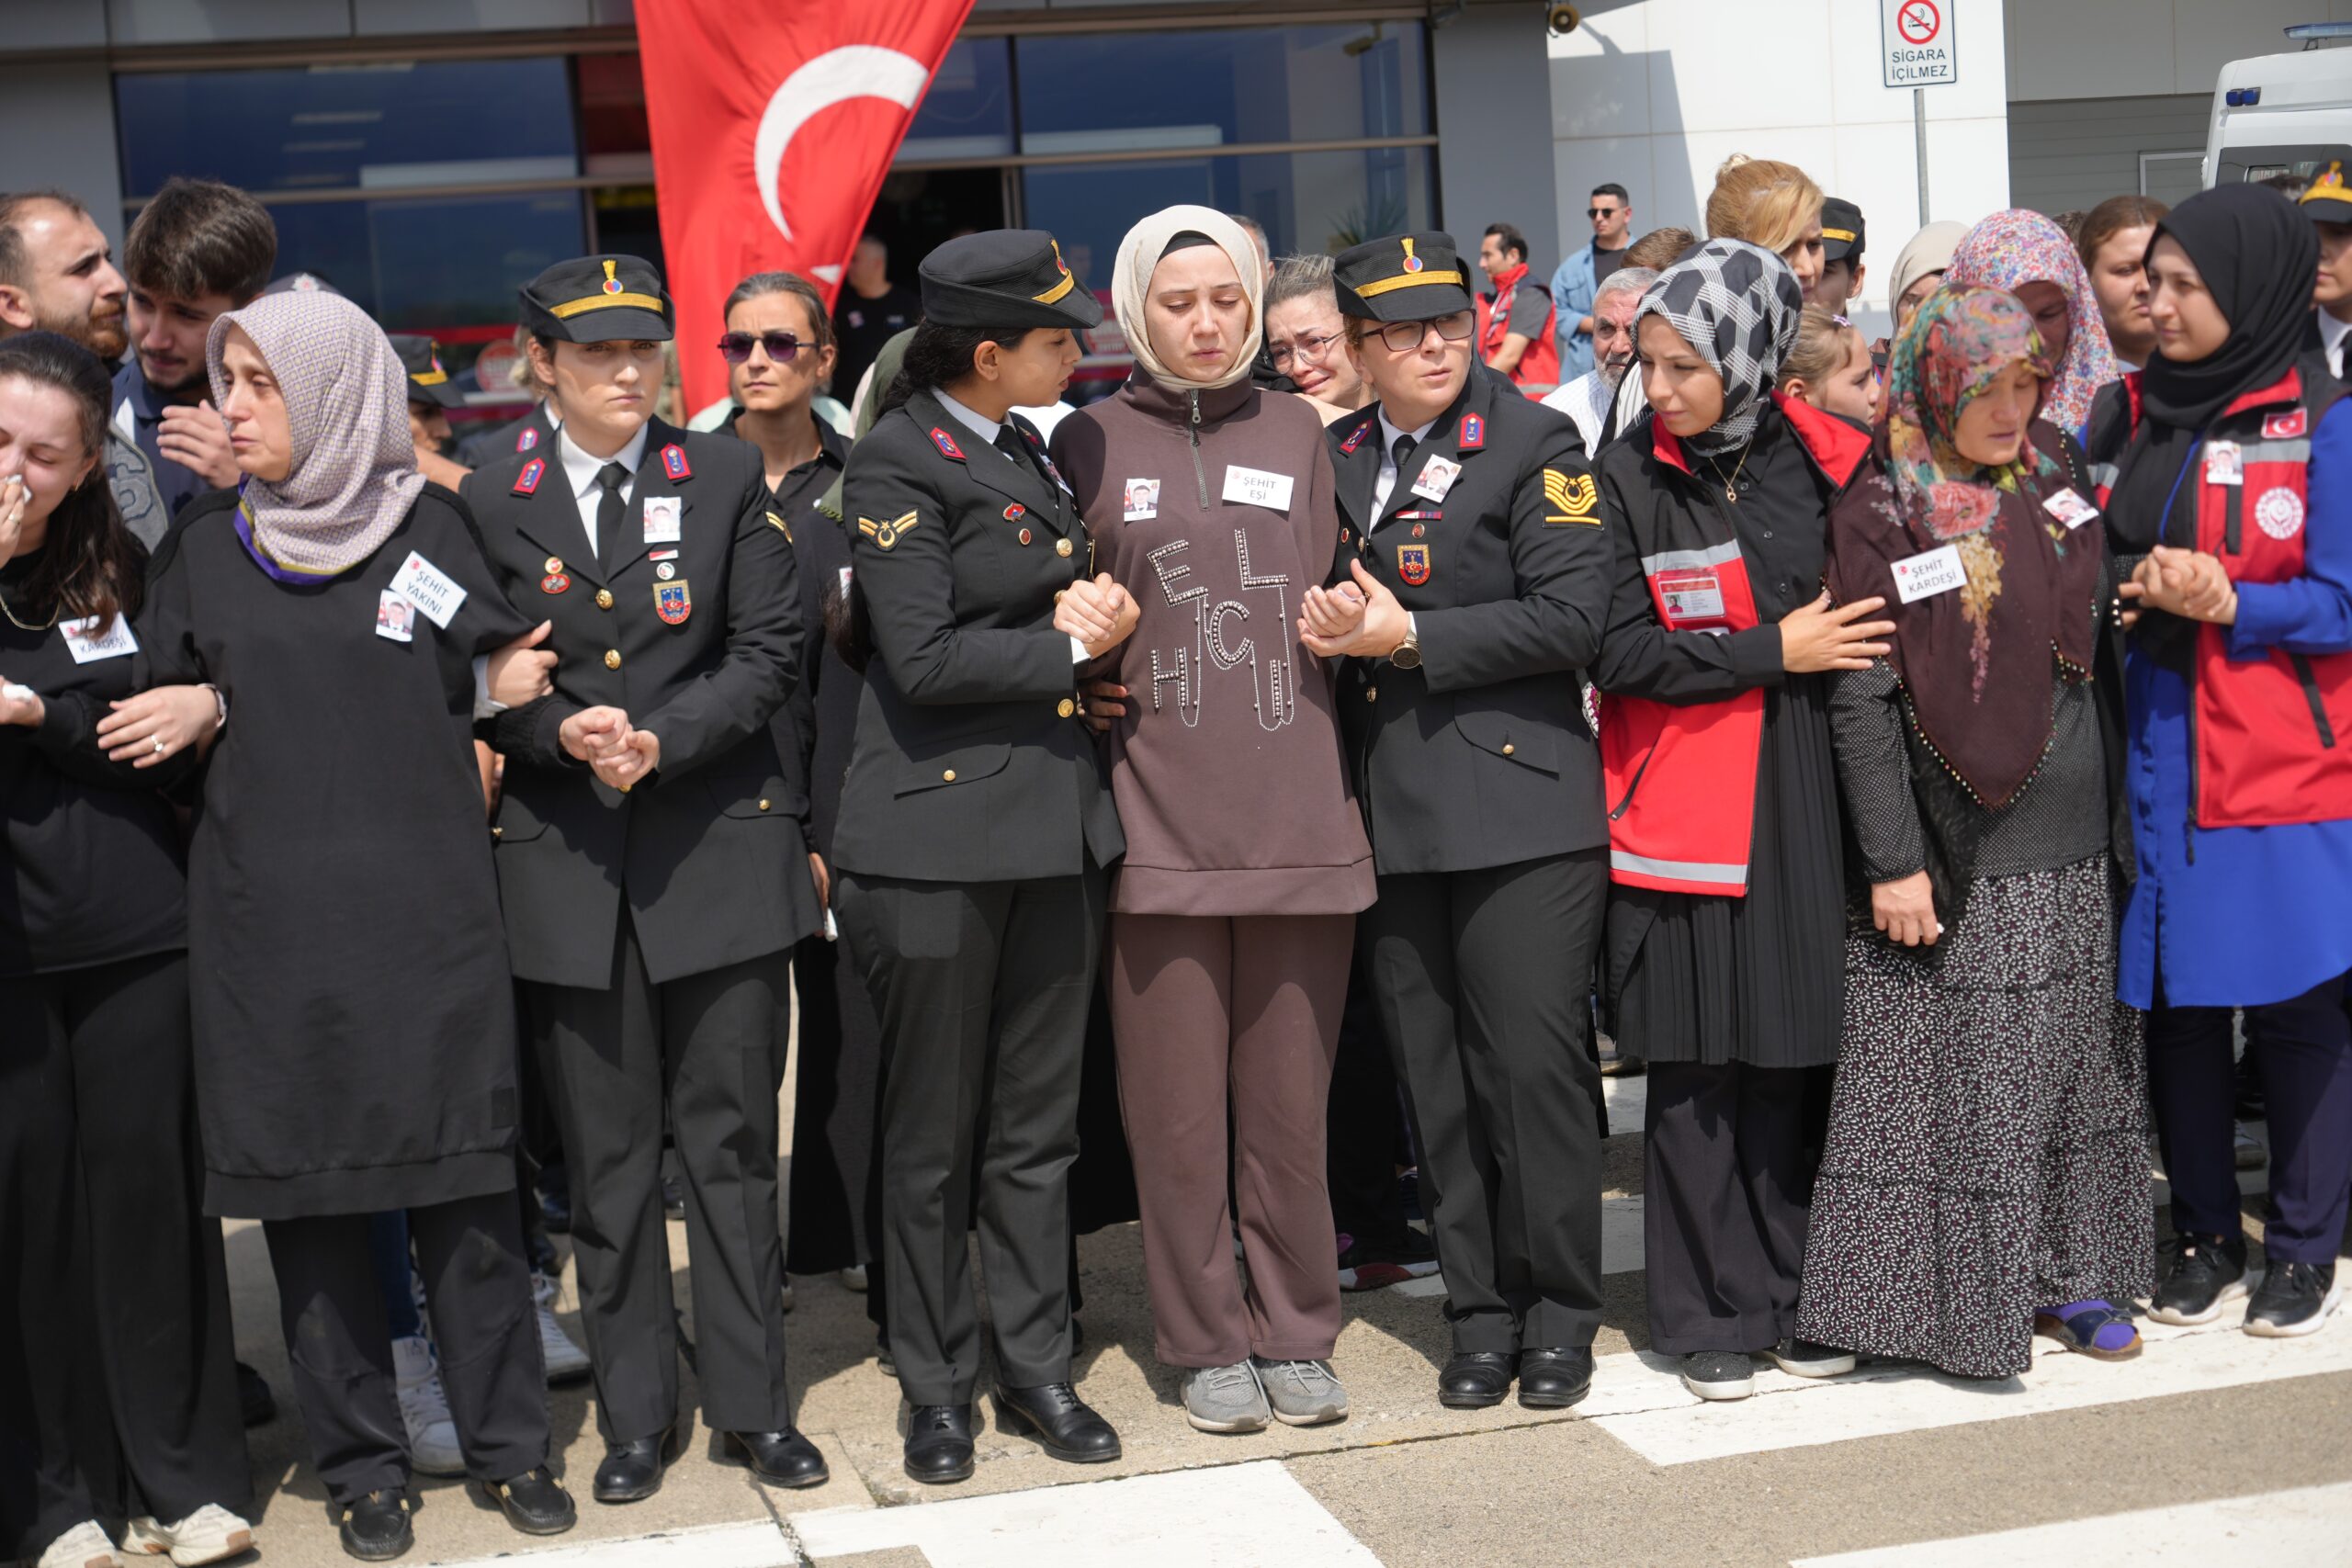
<point>1920,129</point>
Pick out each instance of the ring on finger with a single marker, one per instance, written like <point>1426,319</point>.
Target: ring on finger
<point>159,745</point>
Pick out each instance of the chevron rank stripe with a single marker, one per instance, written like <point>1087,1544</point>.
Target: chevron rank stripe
<point>1574,498</point>
<point>886,534</point>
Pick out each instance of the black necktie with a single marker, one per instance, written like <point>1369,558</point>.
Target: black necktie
<point>1404,449</point>
<point>1009,442</point>
<point>612,479</point>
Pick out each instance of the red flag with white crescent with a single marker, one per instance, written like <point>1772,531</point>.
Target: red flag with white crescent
<point>773,127</point>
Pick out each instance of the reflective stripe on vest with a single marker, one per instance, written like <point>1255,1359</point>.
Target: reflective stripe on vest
<point>1731,879</point>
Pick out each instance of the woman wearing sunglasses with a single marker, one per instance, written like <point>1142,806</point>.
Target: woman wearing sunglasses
<point>1472,584</point>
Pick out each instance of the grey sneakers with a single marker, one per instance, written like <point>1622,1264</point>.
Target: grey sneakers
<point>1225,1399</point>
<point>1303,1393</point>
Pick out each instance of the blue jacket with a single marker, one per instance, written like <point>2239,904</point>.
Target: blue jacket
<point>1572,290</point>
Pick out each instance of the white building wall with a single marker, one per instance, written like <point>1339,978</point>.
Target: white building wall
<point>2126,49</point>
<point>1656,93</point>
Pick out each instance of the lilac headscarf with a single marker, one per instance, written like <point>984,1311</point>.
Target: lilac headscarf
<point>353,476</point>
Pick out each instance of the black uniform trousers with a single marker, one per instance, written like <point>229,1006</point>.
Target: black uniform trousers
<point>1727,1176</point>
<point>478,1287</point>
<point>711,1046</point>
<point>983,990</point>
<point>118,1341</point>
<point>1366,1125</point>
<point>1482,979</point>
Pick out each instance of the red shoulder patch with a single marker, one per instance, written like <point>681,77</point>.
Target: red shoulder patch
<point>527,482</point>
<point>946,444</point>
<point>1355,436</point>
<point>2286,426</point>
<point>1474,432</point>
<point>526,438</point>
<point>673,463</point>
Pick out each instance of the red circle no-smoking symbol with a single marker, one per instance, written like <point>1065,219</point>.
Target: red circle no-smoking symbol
<point>1918,21</point>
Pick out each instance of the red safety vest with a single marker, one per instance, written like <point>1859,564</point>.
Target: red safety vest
<point>1538,370</point>
<point>2272,736</point>
<point>1681,777</point>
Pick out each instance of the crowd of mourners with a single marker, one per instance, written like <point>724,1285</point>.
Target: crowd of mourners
<point>1262,804</point>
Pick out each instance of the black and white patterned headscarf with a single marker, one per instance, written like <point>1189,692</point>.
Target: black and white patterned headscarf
<point>1736,305</point>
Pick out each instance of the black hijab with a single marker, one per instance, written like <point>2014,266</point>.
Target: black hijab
<point>2256,254</point>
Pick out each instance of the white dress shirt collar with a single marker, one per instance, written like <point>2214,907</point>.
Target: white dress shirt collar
<point>977,423</point>
<point>2332,331</point>
<point>579,471</point>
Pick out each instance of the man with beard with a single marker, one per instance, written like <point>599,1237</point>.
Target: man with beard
<point>57,275</point>
<point>198,249</point>
<point>1587,399</point>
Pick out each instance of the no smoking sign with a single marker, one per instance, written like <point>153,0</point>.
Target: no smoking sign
<point>1920,48</point>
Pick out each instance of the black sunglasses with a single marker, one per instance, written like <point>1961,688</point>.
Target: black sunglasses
<point>736,347</point>
<point>1602,211</point>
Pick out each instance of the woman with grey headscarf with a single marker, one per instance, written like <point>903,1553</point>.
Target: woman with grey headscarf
<point>355,1048</point>
<point>1723,958</point>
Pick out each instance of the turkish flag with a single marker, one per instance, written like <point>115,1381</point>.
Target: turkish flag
<point>774,125</point>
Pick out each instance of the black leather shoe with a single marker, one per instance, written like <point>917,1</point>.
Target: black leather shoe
<point>784,1458</point>
<point>939,1444</point>
<point>1554,1378</point>
<point>1066,1425</point>
<point>375,1528</point>
<point>534,1502</point>
<point>632,1471</point>
<point>1475,1378</point>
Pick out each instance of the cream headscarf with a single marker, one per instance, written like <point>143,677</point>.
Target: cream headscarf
<point>1139,255</point>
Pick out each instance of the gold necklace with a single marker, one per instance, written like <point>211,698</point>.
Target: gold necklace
<point>1730,493</point>
<point>20,624</point>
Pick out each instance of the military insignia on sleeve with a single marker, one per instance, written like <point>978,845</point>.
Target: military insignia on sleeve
<point>886,534</point>
<point>1413,564</point>
<point>673,602</point>
<point>527,482</point>
<point>1474,432</point>
<point>673,463</point>
<point>781,526</point>
<point>946,444</point>
<point>1573,498</point>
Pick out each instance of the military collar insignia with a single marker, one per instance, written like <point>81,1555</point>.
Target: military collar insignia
<point>1474,432</point>
<point>1355,436</point>
<point>527,482</point>
<point>946,444</point>
<point>673,463</point>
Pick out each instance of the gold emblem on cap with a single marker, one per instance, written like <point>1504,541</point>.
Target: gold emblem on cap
<point>2328,186</point>
<point>1053,295</point>
<point>1413,272</point>
<point>611,292</point>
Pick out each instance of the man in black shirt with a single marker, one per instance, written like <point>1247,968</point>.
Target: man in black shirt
<point>871,311</point>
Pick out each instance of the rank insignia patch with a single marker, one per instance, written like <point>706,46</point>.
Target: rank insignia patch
<point>1574,498</point>
<point>673,463</point>
<point>886,534</point>
<point>1474,432</point>
<point>946,444</point>
<point>1355,438</point>
<point>527,482</point>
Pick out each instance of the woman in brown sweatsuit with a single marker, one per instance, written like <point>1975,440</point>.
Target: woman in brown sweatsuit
<point>1232,916</point>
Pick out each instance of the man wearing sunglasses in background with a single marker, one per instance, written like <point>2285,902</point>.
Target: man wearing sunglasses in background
<point>1581,276</point>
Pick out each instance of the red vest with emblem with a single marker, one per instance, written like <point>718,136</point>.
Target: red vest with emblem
<point>2272,735</point>
<point>1538,370</point>
<point>1680,778</point>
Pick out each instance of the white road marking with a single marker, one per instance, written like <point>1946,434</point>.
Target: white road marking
<point>760,1545</point>
<point>1242,1515</point>
<point>1626,1099</point>
<point>2306,1525</point>
<point>1638,1399</point>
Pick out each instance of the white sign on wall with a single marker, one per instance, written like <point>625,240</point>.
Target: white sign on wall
<point>1920,48</point>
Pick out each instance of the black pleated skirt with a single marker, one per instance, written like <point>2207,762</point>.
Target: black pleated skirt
<point>1759,979</point>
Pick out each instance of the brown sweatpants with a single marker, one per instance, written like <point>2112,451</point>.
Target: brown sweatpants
<point>1217,1014</point>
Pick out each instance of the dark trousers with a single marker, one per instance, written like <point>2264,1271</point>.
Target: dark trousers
<point>119,1323</point>
<point>478,1289</point>
<point>710,1048</point>
<point>1727,1183</point>
<point>1367,1122</point>
<point>1482,979</point>
<point>2306,1070</point>
<point>982,990</point>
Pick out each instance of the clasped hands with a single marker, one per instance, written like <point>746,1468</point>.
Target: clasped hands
<point>1100,613</point>
<point>2192,584</point>
<point>1360,618</point>
<point>603,738</point>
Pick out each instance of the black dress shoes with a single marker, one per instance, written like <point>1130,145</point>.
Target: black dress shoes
<point>534,1502</point>
<point>1475,1378</point>
<point>632,1471</point>
<point>783,1459</point>
<point>375,1528</point>
<point>1068,1427</point>
<point>1554,1378</point>
<point>939,1444</point>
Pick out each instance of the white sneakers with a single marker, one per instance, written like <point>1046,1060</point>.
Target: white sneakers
<point>566,1360</point>
<point>212,1534</point>
<point>425,1409</point>
<point>83,1546</point>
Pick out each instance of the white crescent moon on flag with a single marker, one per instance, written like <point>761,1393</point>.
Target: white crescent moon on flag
<point>854,70</point>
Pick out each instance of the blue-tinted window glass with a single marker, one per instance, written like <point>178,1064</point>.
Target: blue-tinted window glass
<point>968,113</point>
<point>1106,92</point>
<point>1305,202</point>
<point>425,265</point>
<point>341,127</point>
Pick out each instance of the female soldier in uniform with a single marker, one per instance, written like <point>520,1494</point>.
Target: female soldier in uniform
<point>975,829</point>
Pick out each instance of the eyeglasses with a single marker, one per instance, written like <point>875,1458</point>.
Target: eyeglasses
<point>736,347</point>
<point>1602,211</point>
<point>1401,336</point>
<point>1308,350</point>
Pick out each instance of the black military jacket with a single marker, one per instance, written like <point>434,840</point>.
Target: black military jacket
<point>970,762</point>
<point>708,852</point>
<point>1480,757</point>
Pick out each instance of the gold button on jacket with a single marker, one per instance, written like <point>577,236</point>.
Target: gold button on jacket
<point>604,598</point>
<point>612,658</point>
<point>1061,546</point>
<point>948,777</point>
<point>1065,708</point>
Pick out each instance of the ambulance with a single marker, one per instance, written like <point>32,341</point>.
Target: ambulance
<point>2284,114</point>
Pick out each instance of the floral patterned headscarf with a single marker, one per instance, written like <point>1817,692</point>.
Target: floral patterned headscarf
<point>2016,247</point>
<point>1960,341</point>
